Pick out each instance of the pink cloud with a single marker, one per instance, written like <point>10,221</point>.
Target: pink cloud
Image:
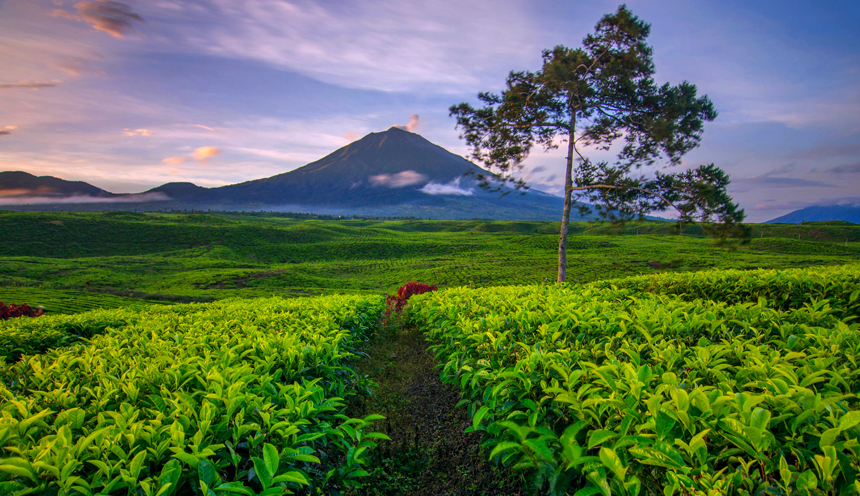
<point>205,152</point>
<point>76,66</point>
<point>174,160</point>
<point>413,123</point>
<point>137,132</point>
<point>109,16</point>
<point>30,85</point>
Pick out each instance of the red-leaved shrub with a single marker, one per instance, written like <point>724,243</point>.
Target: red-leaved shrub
<point>22,310</point>
<point>396,303</point>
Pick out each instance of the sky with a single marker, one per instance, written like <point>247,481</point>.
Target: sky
<point>133,94</point>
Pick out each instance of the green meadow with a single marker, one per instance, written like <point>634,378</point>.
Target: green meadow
<point>257,354</point>
<point>72,262</point>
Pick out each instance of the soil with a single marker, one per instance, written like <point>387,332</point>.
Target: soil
<point>429,454</point>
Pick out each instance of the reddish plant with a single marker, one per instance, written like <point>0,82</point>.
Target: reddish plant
<point>23,310</point>
<point>396,303</point>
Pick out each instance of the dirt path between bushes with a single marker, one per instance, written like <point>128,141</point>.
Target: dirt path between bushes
<point>429,454</point>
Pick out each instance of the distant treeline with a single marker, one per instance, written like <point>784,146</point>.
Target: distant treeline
<point>286,215</point>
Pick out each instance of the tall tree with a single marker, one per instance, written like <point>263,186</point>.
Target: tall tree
<point>592,97</point>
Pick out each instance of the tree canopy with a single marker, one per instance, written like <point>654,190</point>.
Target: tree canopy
<point>591,98</point>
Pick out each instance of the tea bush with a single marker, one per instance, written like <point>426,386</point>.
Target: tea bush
<point>607,391</point>
<point>783,289</point>
<point>238,397</point>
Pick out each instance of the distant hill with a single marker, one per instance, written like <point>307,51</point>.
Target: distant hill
<point>389,173</point>
<point>847,213</point>
<point>180,190</point>
<point>21,184</point>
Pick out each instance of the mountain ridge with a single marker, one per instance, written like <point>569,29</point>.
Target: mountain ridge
<point>388,173</point>
<point>819,213</point>
<point>20,183</point>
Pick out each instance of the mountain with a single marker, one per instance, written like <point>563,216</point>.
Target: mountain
<point>383,168</point>
<point>21,184</point>
<point>389,173</point>
<point>180,190</point>
<point>847,213</point>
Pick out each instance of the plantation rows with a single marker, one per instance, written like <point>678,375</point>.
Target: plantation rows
<point>65,302</point>
<point>721,382</point>
<point>604,390</point>
<point>782,289</point>
<point>239,397</point>
<point>183,258</point>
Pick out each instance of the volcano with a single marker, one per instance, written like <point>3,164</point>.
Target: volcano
<point>389,173</point>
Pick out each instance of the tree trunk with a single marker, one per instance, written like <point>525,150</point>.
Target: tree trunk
<point>565,216</point>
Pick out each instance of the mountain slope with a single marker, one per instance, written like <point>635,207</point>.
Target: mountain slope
<point>21,184</point>
<point>848,213</point>
<point>390,173</point>
<point>383,168</point>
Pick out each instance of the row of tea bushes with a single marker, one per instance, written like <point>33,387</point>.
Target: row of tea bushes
<point>234,397</point>
<point>32,336</point>
<point>607,391</point>
<point>783,289</point>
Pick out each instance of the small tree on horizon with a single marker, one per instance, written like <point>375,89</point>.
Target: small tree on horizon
<point>592,97</point>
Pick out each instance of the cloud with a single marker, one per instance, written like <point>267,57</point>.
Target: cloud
<point>451,188</point>
<point>746,184</point>
<point>445,46</point>
<point>114,18</point>
<point>203,127</point>
<point>30,85</point>
<point>174,160</point>
<point>399,180</point>
<point>351,135</point>
<point>76,66</point>
<point>819,152</point>
<point>264,152</point>
<point>7,130</point>
<point>799,204</point>
<point>137,132</point>
<point>205,152</point>
<point>26,199</point>
<point>201,154</point>
<point>788,182</point>
<point>783,169</point>
<point>413,123</point>
<point>846,169</point>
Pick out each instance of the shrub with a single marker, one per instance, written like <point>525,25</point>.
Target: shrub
<point>412,288</point>
<point>23,310</point>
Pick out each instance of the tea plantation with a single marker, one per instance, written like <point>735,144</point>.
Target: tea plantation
<point>602,389</point>
<point>233,397</point>
<point>71,262</point>
<point>249,354</point>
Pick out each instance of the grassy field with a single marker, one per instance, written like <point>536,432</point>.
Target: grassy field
<point>666,366</point>
<point>71,262</point>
